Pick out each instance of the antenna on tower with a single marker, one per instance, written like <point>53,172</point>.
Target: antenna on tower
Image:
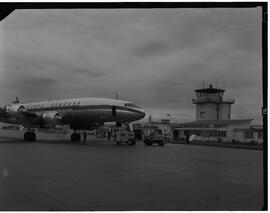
<point>203,84</point>
<point>116,95</point>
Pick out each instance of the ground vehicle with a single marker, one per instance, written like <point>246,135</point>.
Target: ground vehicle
<point>152,134</point>
<point>123,135</point>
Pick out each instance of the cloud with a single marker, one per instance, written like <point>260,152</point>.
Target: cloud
<point>155,57</point>
<point>152,49</point>
<point>40,82</point>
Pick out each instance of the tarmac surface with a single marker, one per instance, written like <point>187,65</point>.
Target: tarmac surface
<point>54,174</point>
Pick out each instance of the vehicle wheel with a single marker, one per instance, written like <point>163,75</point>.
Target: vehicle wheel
<point>147,142</point>
<point>161,143</point>
<point>131,142</point>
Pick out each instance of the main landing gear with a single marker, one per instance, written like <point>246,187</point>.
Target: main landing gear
<point>29,136</point>
<point>75,137</point>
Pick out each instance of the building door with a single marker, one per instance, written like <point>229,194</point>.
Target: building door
<point>175,135</point>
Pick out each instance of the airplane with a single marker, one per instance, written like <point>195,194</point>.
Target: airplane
<point>78,113</point>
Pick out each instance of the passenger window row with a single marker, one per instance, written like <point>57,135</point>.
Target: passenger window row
<point>129,105</point>
<point>40,106</point>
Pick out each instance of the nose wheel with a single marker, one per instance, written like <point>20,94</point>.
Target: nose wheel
<point>29,136</point>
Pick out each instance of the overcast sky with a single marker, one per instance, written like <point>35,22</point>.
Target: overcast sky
<point>155,57</point>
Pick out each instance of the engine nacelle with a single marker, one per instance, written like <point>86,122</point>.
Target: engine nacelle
<point>51,117</point>
<point>14,108</point>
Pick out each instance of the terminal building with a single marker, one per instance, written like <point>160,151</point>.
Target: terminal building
<point>213,121</point>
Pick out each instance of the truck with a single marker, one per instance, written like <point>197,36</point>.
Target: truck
<point>123,135</point>
<point>154,135</point>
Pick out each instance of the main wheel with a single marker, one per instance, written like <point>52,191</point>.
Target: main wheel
<point>26,136</point>
<point>29,136</point>
<point>161,143</point>
<point>33,136</point>
<point>78,137</point>
<point>75,137</point>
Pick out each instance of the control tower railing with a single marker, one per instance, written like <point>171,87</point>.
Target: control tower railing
<point>216,99</point>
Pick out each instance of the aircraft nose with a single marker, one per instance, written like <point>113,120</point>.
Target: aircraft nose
<point>141,115</point>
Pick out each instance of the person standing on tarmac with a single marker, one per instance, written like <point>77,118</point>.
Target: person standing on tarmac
<point>187,136</point>
<point>109,135</point>
<point>84,137</point>
<point>114,136</point>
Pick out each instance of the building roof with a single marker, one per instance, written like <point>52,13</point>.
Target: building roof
<point>214,123</point>
<point>210,89</point>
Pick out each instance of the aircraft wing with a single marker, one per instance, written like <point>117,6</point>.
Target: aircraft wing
<point>28,118</point>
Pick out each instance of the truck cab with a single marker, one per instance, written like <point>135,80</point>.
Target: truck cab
<point>123,135</point>
<point>153,135</point>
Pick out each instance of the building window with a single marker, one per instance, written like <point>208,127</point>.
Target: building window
<point>248,134</point>
<point>221,133</point>
<point>202,114</point>
<point>213,133</point>
<point>202,105</point>
<point>175,134</point>
<point>260,134</point>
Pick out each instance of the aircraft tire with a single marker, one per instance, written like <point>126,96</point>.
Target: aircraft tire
<point>75,137</point>
<point>29,136</point>
<point>72,137</point>
<point>78,137</point>
<point>33,136</point>
<point>26,136</point>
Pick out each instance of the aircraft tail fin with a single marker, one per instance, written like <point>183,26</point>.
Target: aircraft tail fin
<point>16,101</point>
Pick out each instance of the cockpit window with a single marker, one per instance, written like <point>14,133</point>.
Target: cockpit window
<point>132,105</point>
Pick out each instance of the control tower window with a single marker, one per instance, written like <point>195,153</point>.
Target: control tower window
<point>248,134</point>
<point>202,114</point>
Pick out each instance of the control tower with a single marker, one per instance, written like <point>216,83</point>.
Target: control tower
<point>210,104</point>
